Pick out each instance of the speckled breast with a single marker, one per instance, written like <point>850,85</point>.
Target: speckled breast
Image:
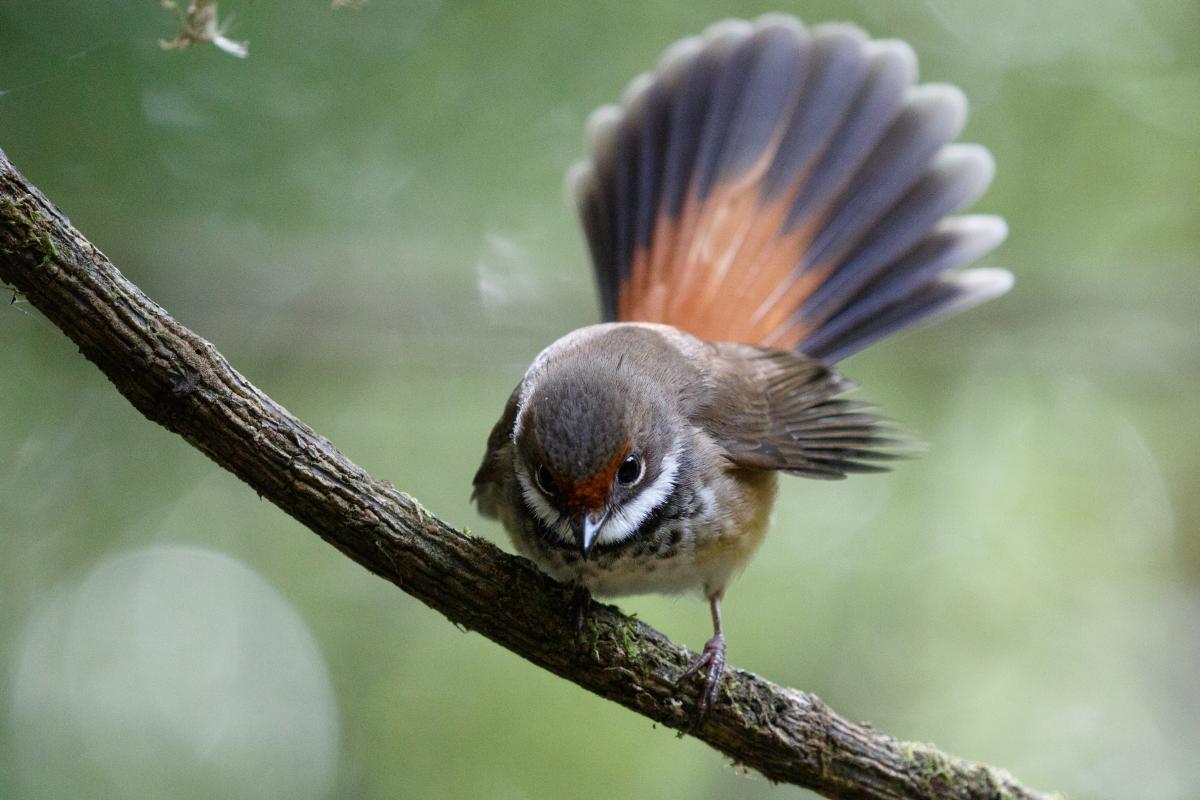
<point>695,541</point>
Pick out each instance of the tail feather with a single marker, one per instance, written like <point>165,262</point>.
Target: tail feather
<point>843,147</point>
<point>939,299</point>
<point>959,174</point>
<point>930,118</point>
<point>787,188</point>
<point>839,67</point>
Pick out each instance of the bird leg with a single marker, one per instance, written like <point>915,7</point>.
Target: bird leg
<point>581,603</point>
<point>711,660</point>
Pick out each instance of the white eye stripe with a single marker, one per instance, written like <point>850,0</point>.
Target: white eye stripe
<point>546,514</point>
<point>626,520</point>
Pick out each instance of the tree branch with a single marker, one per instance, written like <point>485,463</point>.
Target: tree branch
<point>180,381</point>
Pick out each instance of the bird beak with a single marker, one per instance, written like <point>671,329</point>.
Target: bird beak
<point>586,527</point>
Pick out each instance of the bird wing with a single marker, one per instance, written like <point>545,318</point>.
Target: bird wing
<point>777,186</point>
<point>489,481</point>
<point>777,409</point>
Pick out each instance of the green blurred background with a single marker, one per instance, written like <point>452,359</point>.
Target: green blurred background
<point>366,217</point>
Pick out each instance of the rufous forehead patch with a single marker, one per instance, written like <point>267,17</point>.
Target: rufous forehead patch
<point>591,493</point>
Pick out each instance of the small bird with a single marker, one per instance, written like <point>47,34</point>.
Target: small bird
<point>767,201</point>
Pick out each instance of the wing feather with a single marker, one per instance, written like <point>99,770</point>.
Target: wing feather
<point>775,409</point>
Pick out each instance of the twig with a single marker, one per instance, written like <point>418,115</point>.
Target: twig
<point>180,381</point>
<point>198,24</point>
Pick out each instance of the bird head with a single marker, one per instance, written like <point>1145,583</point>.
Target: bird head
<point>595,453</point>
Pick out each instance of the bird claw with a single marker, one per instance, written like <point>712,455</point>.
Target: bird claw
<point>712,662</point>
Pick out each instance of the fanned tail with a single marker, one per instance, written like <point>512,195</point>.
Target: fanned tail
<point>787,188</point>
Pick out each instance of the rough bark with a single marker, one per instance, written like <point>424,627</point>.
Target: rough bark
<point>180,381</point>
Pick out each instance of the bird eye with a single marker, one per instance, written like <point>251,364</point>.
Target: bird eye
<point>544,481</point>
<point>630,471</point>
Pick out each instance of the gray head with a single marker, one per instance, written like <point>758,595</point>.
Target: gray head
<point>597,449</point>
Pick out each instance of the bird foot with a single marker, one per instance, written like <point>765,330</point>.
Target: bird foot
<point>711,663</point>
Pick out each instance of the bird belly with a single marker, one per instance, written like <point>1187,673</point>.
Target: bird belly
<point>635,574</point>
